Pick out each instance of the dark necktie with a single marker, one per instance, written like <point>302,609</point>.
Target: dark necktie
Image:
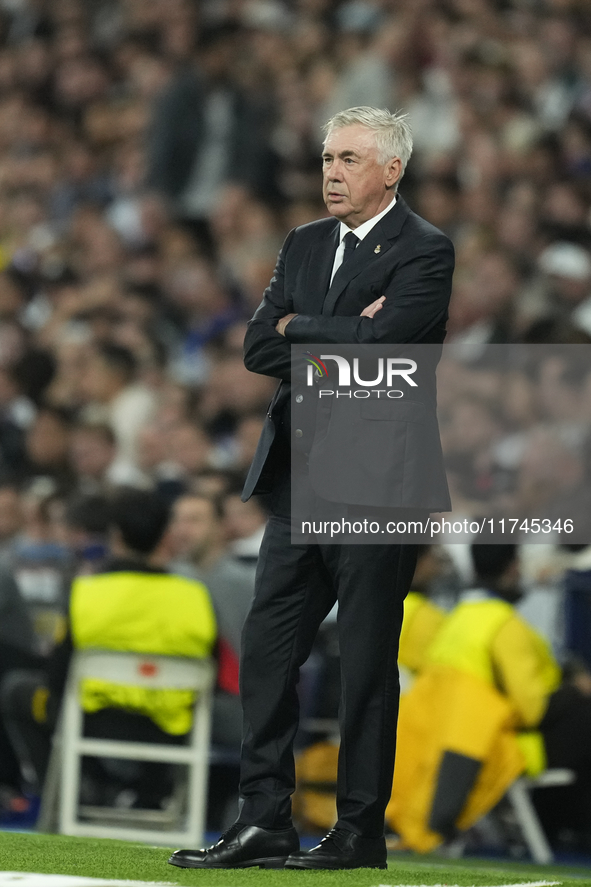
<point>350,240</point>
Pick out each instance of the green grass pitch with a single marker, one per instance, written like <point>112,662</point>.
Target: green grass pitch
<point>88,857</point>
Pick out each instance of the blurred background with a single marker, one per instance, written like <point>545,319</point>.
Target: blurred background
<point>153,156</point>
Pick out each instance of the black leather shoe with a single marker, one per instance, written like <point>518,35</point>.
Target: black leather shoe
<point>342,849</point>
<point>240,847</point>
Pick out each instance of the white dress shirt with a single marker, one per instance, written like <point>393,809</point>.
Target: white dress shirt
<point>360,232</point>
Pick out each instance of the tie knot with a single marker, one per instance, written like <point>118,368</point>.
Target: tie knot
<point>350,240</point>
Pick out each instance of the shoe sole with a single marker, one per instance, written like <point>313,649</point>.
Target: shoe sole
<point>271,862</point>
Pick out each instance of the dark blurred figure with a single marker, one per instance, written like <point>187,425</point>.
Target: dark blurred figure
<point>40,561</point>
<point>18,648</point>
<point>486,639</point>
<point>125,607</point>
<point>11,517</point>
<point>47,443</point>
<point>92,452</point>
<point>13,423</point>
<point>87,521</point>
<point>245,523</point>
<point>205,133</point>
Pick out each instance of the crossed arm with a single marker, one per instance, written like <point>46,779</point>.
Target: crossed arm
<point>370,311</point>
<point>414,301</point>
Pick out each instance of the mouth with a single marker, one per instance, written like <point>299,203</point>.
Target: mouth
<point>334,195</point>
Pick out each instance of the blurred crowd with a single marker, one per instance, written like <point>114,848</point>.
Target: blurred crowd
<point>153,155</point>
<point>516,431</point>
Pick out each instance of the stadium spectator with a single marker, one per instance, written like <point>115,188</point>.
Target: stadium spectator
<point>40,563</point>
<point>124,607</point>
<point>86,528</point>
<point>46,447</point>
<point>422,618</point>
<point>567,267</point>
<point>91,455</point>
<point>112,394</point>
<point>245,525</point>
<point>248,431</point>
<point>199,550</point>
<point>496,708</point>
<point>206,132</point>
<point>204,311</point>
<point>107,194</point>
<point>16,415</point>
<point>10,516</point>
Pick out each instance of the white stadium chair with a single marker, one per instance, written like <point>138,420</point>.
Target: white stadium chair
<point>518,812</point>
<point>525,814</point>
<point>183,822</point>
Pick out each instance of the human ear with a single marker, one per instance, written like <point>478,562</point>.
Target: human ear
<point>393,171</point>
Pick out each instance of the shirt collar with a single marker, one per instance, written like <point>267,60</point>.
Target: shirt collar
<point>364,229</point>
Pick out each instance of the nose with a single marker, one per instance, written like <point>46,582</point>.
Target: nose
<point>335,173</point>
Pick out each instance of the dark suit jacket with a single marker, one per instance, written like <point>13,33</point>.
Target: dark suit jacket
<point>413,268</point>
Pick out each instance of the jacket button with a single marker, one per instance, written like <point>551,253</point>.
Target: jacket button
<point>299,432</point>
<point>299,398</point>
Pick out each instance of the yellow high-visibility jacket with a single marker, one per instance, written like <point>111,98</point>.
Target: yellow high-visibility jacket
<point>422,620</point>
<point>489,673</point>
<point>142,612</point>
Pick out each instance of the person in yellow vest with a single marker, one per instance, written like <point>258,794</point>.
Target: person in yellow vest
<point>487,707</point>
<point>132,605</point>
<point>422,618</point>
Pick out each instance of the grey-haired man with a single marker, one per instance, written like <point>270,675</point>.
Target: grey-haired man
<point>372,273</point>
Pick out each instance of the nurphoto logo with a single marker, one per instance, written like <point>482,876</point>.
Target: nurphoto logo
<point>389,370</point>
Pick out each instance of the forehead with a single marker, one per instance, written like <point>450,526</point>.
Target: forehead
<point>357,138</point>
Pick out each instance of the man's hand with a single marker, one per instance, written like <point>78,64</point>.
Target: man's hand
<point>281,324</point>
<point>373,308</point>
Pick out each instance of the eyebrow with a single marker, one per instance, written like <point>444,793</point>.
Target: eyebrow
<point>347,153</point>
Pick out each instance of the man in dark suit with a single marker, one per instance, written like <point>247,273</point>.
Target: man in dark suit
<point>388,282</point>
<point>205,132</point>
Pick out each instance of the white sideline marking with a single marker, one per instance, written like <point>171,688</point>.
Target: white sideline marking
<point>524,884</point>
<point>30,879</point>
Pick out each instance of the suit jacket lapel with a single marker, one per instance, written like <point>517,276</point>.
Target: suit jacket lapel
<point>319,270</point>
<point>382,234</point>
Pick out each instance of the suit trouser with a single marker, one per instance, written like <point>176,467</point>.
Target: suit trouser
<point>296,586</point>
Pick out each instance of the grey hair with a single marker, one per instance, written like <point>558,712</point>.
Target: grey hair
<point>393,134</point>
